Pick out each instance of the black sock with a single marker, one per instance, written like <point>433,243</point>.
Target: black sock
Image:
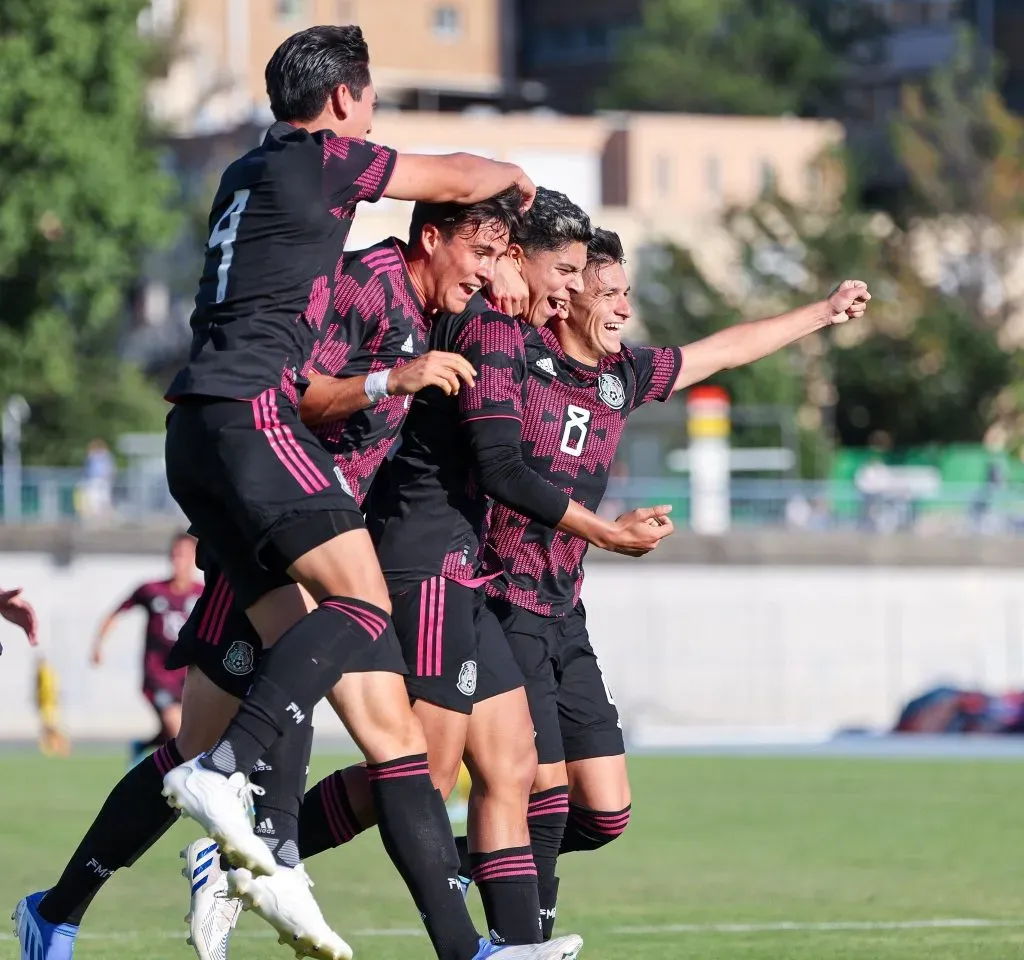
<point>465,864</point>
<point>134,816</point>
<point>508,888</point>
<point>327,818</point>
<point>546,818</point>
<point>418,837</point>
<point>281,773</point>
<point>589,829</point>
<point>294,675</point>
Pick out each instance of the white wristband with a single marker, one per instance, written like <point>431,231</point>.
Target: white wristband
<point>376,385</point>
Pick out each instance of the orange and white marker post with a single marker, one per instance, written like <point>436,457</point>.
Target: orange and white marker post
<point>708,423</point>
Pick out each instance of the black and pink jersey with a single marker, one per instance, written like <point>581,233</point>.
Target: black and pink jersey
<point>278,227</point>
<point>572,425</point>
<point>429,517</point>
<point>378,322</point>
<point>166,611</point>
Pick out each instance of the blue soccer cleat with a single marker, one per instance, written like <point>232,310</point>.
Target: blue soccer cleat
<point>40,939</point>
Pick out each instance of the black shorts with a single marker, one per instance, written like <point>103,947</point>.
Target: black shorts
<point>219,640</point>
<point>256,486</point>
<point>574,714</point>
<point>454,649</point>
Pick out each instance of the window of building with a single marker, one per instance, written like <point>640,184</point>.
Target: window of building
<point>447,22</point>
<point>663,175</point>
<point>713,177</point>
<point>290,9</point>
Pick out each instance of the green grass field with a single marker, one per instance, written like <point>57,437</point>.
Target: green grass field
<point>725,851</point>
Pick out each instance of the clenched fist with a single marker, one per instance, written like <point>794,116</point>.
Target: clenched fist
<point>848,301</point>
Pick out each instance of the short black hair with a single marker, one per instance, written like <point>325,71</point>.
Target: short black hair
<point>552,222</point>
<point>604,248</point>
<point>465,219</point>
<point>310,65</point>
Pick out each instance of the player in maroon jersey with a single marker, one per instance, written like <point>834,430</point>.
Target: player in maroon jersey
<point>376,318</point>
<point>168,604</point>
<point>583,384</point>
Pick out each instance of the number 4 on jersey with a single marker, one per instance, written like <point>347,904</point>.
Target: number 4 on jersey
<point>224,233</point>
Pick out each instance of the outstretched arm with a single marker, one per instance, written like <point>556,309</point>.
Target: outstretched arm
<point>455,178</point>
<point>106,625</point>
<point>746,342</point>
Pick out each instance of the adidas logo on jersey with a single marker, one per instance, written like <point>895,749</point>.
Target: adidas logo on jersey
<point>407,346</point>
<point>547,365</point>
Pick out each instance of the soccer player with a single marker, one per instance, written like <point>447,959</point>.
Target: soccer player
<point>376,302</point>
<point>428,516</point>
<point>168,604</point>
<point>17,610</point>
<point>583,384</point>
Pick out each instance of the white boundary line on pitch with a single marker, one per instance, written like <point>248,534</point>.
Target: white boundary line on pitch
<point>787,926</point>
<point>115,935</point>
<point>781,926</point>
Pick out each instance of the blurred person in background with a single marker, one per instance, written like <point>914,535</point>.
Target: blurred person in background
<point>168,604</point>
<point>583,384</point>
<point>97,490</point>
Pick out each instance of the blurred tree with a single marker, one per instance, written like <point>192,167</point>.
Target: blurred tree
<point>82,197</point>
<point>763,57</point>
<point>963,153</point>
<point>915,371</point>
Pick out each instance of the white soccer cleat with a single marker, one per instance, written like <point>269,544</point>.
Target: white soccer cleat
<point>212,913</point>
<point>561,948</point>
<point>221,805</point>
<point>284,900</point>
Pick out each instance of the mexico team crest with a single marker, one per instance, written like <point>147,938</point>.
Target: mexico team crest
<point>239,658</point>
<point>611,391</point>
<point>467,678</point>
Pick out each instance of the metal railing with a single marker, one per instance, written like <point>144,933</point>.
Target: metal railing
<point>52,495</point>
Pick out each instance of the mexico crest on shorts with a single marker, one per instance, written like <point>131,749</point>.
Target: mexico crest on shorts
<point>467,678</point>
<point>611,391</point>
<point>239,658</point>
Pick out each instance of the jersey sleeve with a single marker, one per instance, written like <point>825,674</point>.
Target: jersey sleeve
<point>492,412</point>
<point>355,171</point>
<point>359,309</point>
<point>493,344</point>
<point>656,370</point>
<point>140,598</point>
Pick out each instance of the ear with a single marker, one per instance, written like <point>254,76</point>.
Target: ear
<point>516,256</point>
<point>340,102</point>
<point>430,239</point>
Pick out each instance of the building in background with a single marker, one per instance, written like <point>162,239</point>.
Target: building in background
<point>444,54</point>
<point>570,46</point>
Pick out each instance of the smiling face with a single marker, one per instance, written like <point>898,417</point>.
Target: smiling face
<point>552,276</point>
<point>598,314</point>
<point>458,266</point>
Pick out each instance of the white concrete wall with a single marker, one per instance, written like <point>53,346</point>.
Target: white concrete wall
<point>690,652</point>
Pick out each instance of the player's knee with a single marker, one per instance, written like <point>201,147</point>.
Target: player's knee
<point>444,773</point>
<point>593,829</point>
